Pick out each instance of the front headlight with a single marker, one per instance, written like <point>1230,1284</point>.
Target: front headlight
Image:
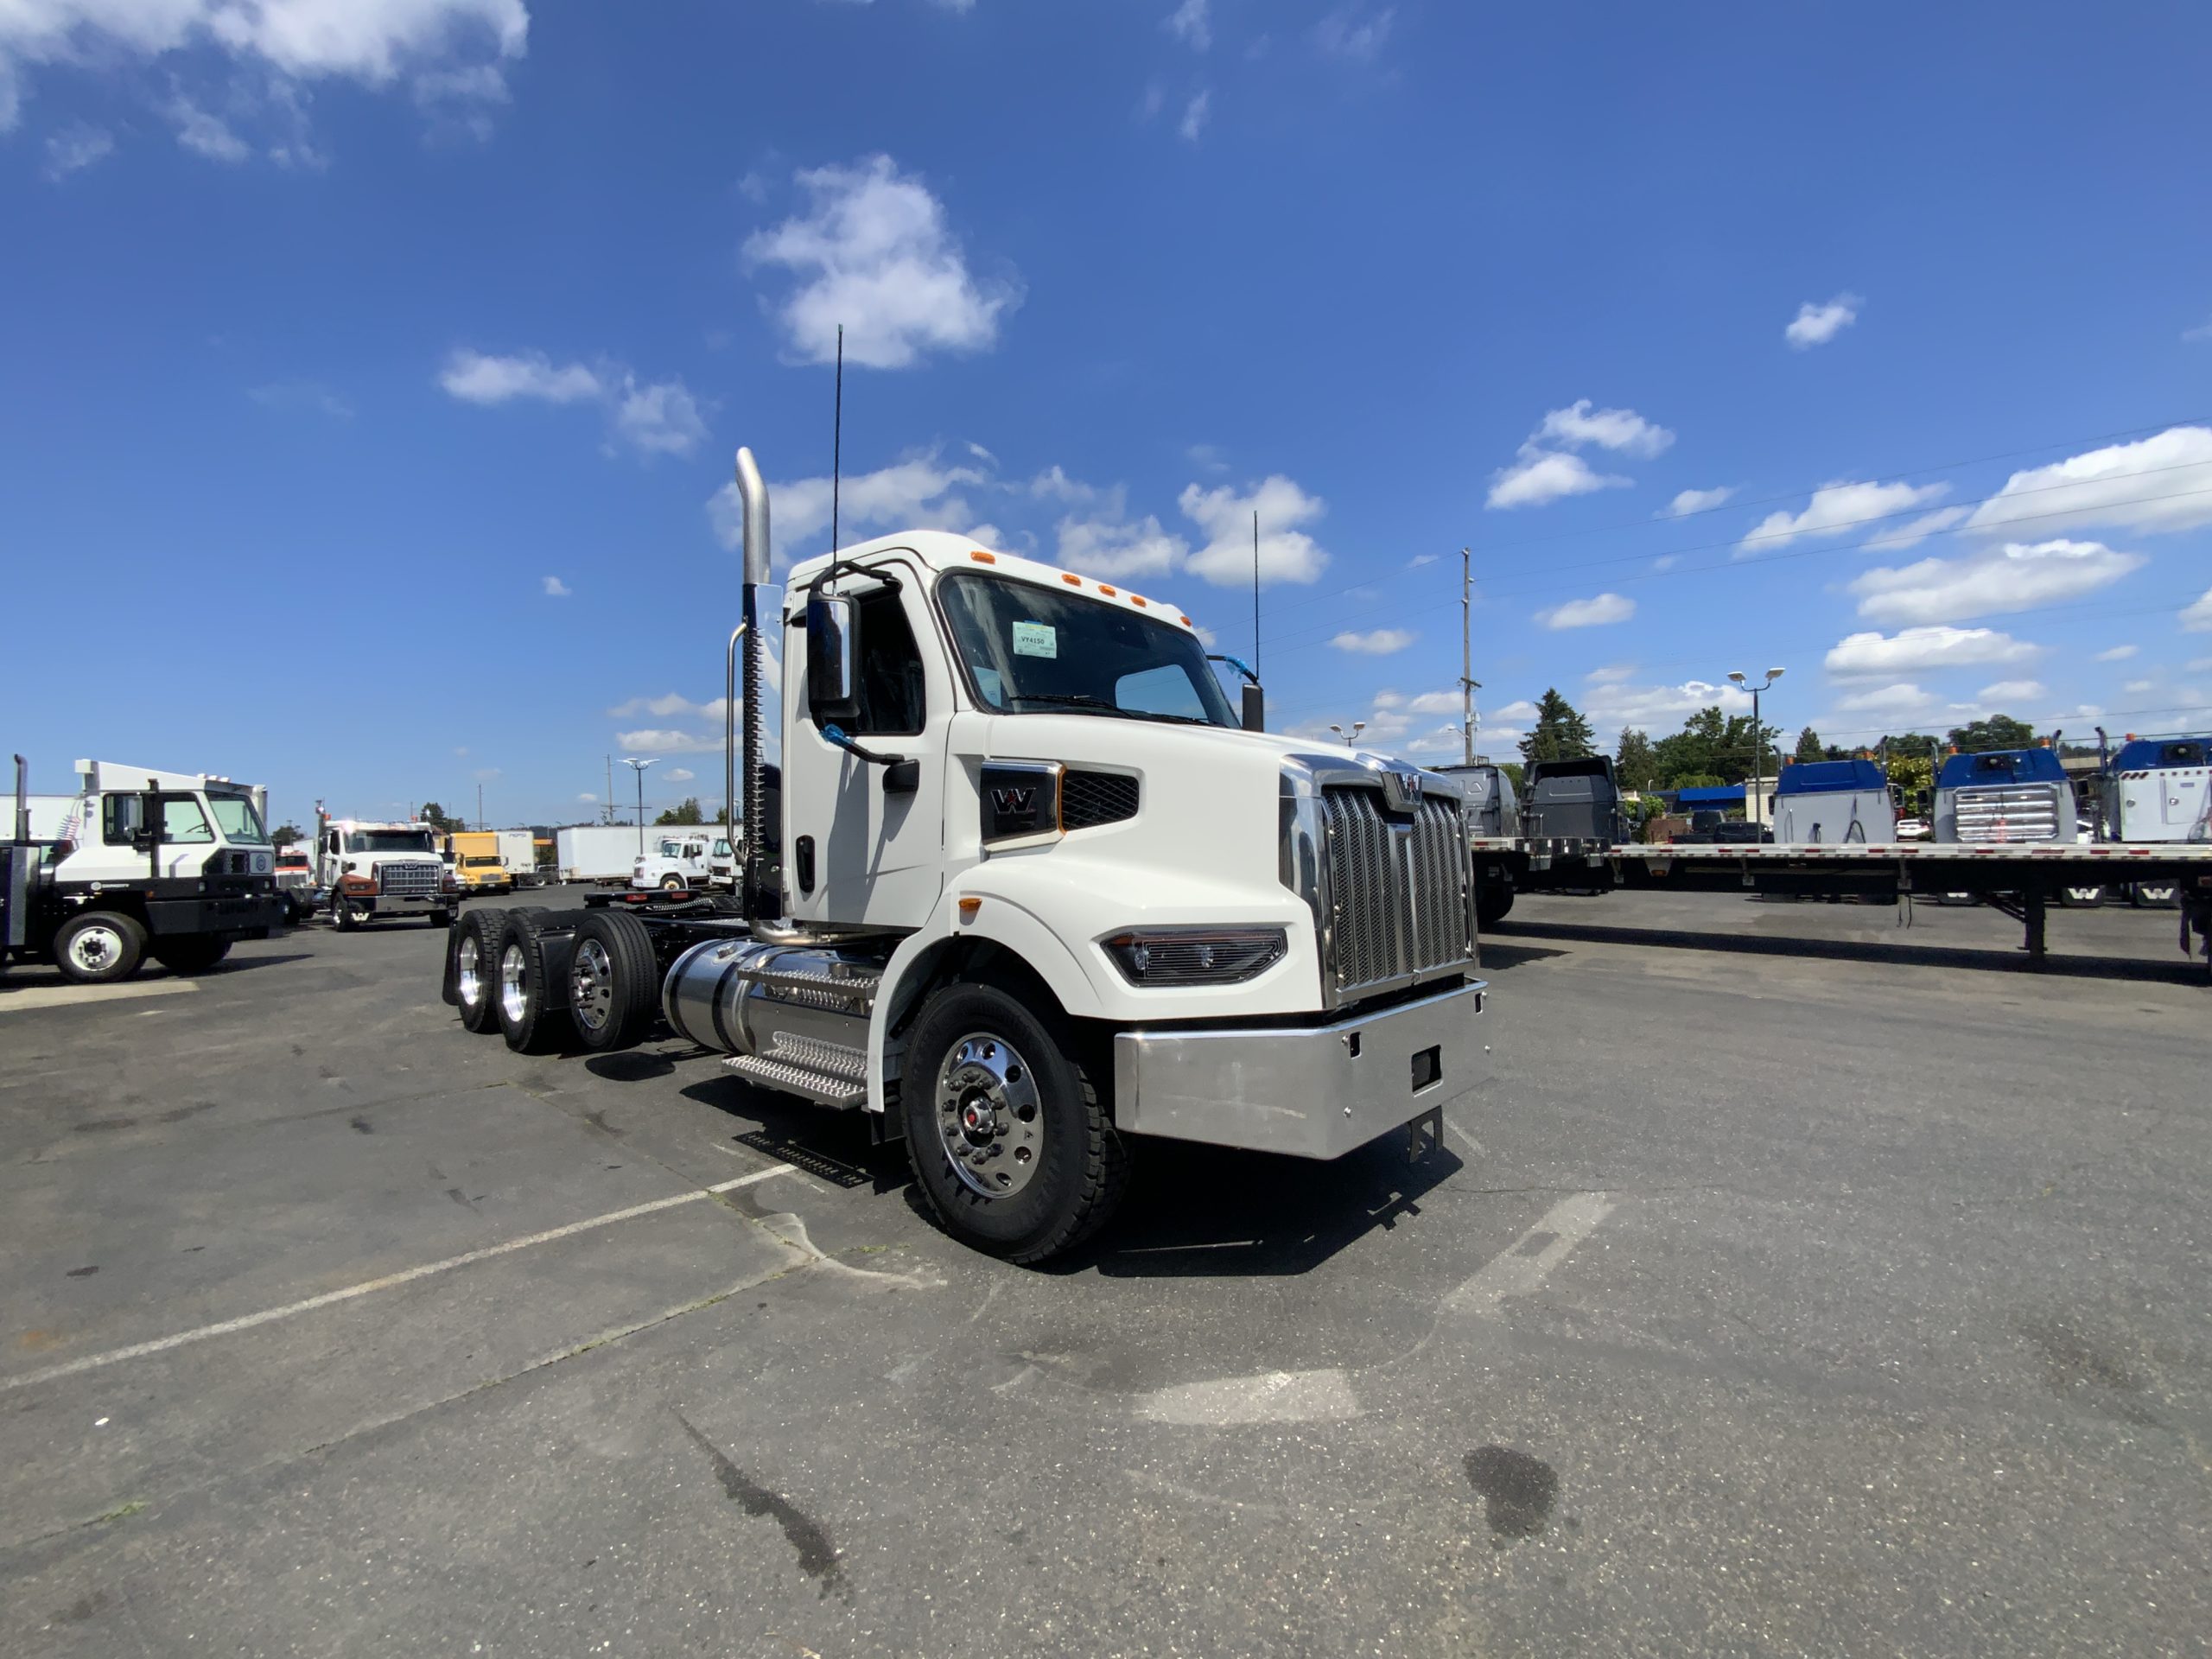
<point>1196,955</point>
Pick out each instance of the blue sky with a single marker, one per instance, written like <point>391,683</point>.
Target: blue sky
<point>374,365</point>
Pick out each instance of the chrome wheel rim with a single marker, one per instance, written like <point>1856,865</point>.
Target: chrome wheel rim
<point>673,884</point>
<point>96,949</point>
<point>511,1001</point>
<point>591,985</point>
<point>990,1120</point>
<point>469,972</point>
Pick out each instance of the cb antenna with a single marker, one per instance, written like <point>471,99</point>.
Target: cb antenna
<point>836,452</point>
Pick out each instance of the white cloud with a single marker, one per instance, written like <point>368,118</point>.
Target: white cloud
<point>1623,429</point>
<point>1837,507</point>
<point>919,492</point>
<point>1425,702</point>
<point>1654,708</point>
<point>1902,698</point>
<point>476,378</point>
<point>484,774</point>
<point>1588,613</point>
<point>556,589</point>
<point>873,252</point>
<point>1613,674</point>
<point>1207,458</point>
<point>661,417</point>
<point>1109,545</point>
<point>206,134</point>
<point>1357,31</point>
<point>653,418</point>
<point>2197,617</point>
<point>1287,553</point>
<point>1690,501</point>
<point>1816,325</point>
<point>1918,650</point>
<point>588,798</point>
<point>2202,331</point>
<point>2155,484</point>
<point>1914,531</point>
<point>1377,642</point>
<point>1546,468</point>
<point>2117,654</point>
<point>1522,712</point>
<point>2136,687</point>
<point>2016,576</point>
<point>75,148</point>
<point>1194,115</point>
<point>375,43</point>
<point>680,775</point>
<point>2015,691</point>
<point>2199,665</point>
<point>1190,23</point>
<point>1545,475</point>
<point>661,740</point>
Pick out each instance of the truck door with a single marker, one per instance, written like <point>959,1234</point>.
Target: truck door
<point>855,852</point>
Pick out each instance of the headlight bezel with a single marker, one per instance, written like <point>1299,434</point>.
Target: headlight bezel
<point>1153,958</point>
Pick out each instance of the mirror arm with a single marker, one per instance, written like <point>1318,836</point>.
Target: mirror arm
<point>1235,663</point>
<point>836,738</point>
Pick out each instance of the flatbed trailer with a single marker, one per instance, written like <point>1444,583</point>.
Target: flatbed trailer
<point>2021,879</point>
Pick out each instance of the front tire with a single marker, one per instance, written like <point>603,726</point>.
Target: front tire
<point>1009,1141</point>
<point>100,947</point>
<point>613,981</point>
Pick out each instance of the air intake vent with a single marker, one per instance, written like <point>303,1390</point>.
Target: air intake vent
<point>1090,798</point>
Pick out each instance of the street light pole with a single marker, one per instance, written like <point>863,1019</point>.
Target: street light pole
<point>1758,736</point>
<point>1468,685</point>
<point>1352,736</point>
<point>638,767</point>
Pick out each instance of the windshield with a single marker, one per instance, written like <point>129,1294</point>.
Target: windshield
<point>478,860</point>
<point>239,821</point>
<point>389,841</point>
<point>1029,649</point>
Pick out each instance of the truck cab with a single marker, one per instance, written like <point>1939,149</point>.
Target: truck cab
<point>2003,797</point>
<point>477,861</point>
<point>377,871</point>
<point>2159,789</point>
<point>176,865</point>
<point>692,860</point>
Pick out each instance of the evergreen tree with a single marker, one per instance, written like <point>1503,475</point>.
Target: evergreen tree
<point>1636,763</point>
<point>1809,747</point>
<point>687,813</point>
<point>1561,732</point>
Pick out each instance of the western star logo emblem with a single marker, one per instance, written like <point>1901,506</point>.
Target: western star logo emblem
<point>1402,790</point>
<point>1014,802</point>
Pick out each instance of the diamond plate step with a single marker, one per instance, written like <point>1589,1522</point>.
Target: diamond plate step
<point>824,1088</point>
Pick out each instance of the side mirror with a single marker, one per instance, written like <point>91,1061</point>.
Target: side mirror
<point>832,658</point>
<point>1255,707</point>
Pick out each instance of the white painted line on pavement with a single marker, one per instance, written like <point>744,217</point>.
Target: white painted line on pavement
<point>1534,1254</point>
<point>268,1315</point>
<point>62,996</point>
<point>1271,1397</point>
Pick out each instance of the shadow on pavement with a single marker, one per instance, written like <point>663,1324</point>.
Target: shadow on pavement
<point>1984,961</point>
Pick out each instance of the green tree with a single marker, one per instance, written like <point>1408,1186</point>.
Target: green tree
<point>1513,772</point>
<point>435,815</point>
<point>1717,745</point>
<point>1636,763</point>
<point>688,812</point>
<point>1809,747</point>
<point>1560,733</point>
<point>285,833</point>
<point>1998,732</point>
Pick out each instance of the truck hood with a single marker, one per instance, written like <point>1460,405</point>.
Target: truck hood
<point>1144,744</point>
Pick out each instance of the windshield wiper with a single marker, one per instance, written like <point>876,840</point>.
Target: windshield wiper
<point>1083,699</point>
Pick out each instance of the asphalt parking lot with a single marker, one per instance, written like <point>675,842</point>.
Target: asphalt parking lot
<point>1803,1283</point>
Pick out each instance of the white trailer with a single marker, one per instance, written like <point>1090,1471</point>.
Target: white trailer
<point>598,852</point>
<point>519,853</point>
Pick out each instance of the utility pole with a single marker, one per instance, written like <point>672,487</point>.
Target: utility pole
<point>1468,685</point>
<point>480,806</point>
<point>1255,592</point>
<point>608,798</point>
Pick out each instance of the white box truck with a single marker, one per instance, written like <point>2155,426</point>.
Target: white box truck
<point>1039,896</point>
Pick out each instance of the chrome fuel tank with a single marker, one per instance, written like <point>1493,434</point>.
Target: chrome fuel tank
<point>801,1007</point>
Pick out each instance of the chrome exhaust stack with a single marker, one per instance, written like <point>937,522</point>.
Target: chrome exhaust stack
<point>752,497</point>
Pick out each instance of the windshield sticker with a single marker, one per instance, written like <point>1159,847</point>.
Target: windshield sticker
<point>1035,639</point>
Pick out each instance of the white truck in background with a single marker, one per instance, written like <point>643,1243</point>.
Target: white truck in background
<point>685,860</point>
<point>376,871</point>
<point>1041,896</point>
<point>174,866</point>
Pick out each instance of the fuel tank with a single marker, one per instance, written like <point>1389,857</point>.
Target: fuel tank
<point>794,1016</point>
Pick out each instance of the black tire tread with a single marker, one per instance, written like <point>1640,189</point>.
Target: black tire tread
<point>134,940</point>
<point>544,1018</point>
<point>487,926</point>
<point>637,979</point>
<point>189,953</point>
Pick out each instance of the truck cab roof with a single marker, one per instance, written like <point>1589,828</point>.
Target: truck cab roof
<point>942,552</point>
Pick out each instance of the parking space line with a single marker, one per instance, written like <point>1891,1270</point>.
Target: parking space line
<point>268,1315</point>
<point>1519,1270</point>
<point>63,996</point>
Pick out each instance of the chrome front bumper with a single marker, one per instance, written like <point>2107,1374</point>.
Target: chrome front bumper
<point>1312,1091</point>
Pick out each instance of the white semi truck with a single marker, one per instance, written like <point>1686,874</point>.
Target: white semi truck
<point>1039,896</point>
<point>174,866</point>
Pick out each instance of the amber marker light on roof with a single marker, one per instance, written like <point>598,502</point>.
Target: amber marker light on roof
<point>1071,580</point>
<point>1187,621</point>
<point>1136,598</point>
<point>1103,588</point>
<point>982,557</point>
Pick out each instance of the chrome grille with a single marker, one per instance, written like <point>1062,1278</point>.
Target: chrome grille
<point>417,881</point>
<point>1997,814</point>
<point>1398,890</point>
